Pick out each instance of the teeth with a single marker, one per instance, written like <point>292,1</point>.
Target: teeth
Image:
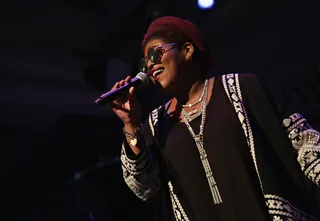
<point>157,72</point>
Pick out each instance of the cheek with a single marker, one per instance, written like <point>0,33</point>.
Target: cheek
<point>176,63</point>
<point>173,60</point>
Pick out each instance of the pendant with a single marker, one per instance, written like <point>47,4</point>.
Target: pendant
<point>134,141</point>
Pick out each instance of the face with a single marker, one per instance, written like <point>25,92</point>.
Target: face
<point>168,70</point>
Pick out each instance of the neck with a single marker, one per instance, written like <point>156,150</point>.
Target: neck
<point>190,93</point>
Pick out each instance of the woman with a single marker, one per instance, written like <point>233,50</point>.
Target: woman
<point>217,149</point>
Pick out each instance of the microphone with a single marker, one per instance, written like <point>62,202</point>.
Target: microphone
<point>141,80</point>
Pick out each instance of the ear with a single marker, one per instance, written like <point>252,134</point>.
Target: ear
<point>188,51</point>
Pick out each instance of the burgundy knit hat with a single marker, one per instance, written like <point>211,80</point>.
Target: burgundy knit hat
<point>189,29</point>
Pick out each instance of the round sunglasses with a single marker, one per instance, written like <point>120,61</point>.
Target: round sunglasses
<point>154,55</point>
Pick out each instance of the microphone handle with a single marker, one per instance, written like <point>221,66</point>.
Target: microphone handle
<point>118,92</point>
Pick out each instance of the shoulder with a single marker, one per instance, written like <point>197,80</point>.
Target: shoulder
<point>245,79</point>
<point>248,77</point>
<point>241,76</point>
<point>248,84</point>
<point>250,81</point>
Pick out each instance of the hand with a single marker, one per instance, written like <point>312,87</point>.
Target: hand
<point>127,107</point>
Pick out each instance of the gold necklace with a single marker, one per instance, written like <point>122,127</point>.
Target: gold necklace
<point>200,98</point>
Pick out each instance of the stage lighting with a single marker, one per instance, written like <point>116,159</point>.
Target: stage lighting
<point>205,4</point>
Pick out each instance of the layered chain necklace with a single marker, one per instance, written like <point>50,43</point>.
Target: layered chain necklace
<point>201,97</point>
<point>198,138</point>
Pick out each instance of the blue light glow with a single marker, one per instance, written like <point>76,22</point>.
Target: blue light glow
<point>205,4</point>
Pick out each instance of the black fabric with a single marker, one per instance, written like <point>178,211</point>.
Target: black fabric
<point>266,111</point>
<point>279,170</point>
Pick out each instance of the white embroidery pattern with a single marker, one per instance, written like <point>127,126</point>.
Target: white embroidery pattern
<point>178,210</point>
<point>137,166</point>
<point>232,87</point>
<point>141,174</point>
<point>307,141</point>
<point>153,119</point>
<point>282,210</point>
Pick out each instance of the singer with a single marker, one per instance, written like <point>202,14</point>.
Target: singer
<point>223,148</point>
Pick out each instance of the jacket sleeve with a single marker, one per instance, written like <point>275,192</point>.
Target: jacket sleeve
<point>306,141</point>
<point>141,172</point>
<point>303,138</point>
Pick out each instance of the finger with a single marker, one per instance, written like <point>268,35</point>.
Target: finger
<point>116,85</point>
<point>122,82</point>
<point>127,79</point>
<point>116,107</point>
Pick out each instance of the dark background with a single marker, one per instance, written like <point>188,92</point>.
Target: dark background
<point>58,56</point>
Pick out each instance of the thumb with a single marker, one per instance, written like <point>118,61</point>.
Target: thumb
<point>131,91</point>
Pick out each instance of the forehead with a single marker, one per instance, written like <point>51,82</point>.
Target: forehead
<point>154,42</point>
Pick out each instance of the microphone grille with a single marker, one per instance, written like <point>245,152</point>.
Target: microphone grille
<point>144,78</point>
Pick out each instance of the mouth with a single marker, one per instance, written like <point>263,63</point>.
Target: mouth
<point>156,73</point>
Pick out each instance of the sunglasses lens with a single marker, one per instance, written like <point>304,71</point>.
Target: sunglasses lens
<point>143,66</point>
<point>155,54</point>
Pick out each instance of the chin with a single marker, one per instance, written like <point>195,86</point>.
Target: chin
<point>164,82</point>
<point>167,87</point>
<point>161,84</point>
